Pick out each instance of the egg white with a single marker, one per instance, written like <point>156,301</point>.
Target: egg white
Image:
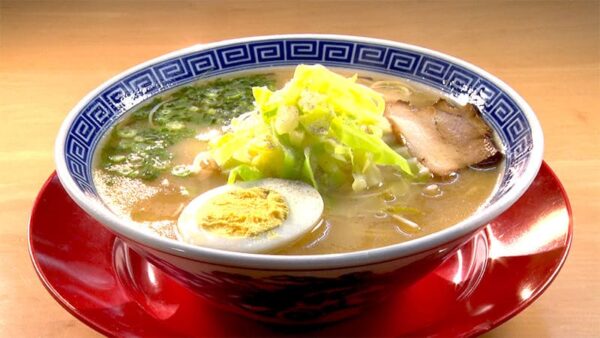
<point>305,209</point>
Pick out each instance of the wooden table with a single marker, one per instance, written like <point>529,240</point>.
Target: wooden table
<point>53,52</point>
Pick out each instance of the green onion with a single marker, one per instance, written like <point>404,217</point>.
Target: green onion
<point>138,147</point>
<point>181,171</point>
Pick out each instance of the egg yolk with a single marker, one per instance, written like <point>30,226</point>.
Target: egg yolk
<point>243,212</point>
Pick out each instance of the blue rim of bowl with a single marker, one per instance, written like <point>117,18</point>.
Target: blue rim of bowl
<point>433,68</point>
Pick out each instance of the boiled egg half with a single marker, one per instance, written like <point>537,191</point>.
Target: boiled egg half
<point>253,217</point>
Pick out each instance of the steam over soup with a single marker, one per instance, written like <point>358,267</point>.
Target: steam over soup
<point>298,161</point>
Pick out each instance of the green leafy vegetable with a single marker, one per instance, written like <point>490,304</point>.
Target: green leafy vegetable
<point>320,127</point>
<point>246,172</point>
<point>138,147</point>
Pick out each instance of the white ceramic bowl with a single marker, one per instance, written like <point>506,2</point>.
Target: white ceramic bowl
<point>200,268</point>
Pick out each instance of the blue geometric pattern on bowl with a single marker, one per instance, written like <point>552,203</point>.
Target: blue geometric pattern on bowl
<point>499,109</point>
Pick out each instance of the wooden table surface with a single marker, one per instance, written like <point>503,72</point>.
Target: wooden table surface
<point>53,52</point>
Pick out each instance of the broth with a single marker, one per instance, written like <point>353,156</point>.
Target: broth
<point>397,211</point>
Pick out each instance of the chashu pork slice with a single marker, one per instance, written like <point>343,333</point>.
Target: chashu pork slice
<point>442,137</point>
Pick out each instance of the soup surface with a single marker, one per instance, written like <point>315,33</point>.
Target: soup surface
<point>142,169</point>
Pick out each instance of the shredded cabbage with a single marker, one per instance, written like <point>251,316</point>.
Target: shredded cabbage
<point>321,128</point>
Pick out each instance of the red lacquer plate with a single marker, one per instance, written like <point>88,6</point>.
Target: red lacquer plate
<point>494,276</point>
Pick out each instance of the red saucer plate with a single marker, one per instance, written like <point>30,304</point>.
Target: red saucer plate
<point>494,276</point>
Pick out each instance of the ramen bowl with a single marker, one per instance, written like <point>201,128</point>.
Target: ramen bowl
<point>292,289</point>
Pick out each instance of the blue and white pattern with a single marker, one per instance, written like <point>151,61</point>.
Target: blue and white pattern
<point>110,104</point>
